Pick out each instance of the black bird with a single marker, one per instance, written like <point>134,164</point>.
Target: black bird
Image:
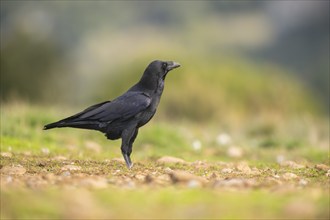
<point>123,116</point>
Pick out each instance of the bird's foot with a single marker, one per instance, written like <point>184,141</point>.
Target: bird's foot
<point>128,161</point>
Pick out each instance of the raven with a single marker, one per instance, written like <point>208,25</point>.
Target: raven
<point>123,116</point>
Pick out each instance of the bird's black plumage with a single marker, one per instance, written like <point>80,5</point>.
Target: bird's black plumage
<point>122,117</point>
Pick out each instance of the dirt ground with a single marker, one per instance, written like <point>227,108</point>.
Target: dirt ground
<point>34,174</point>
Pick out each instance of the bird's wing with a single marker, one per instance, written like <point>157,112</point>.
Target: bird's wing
<point>123,107</point>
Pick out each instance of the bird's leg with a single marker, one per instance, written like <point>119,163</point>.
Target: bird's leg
<point>128,161</point>
<point>130,148</point>
<point>126,145</point>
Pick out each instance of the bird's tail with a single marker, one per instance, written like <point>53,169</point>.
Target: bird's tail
<point>54,125</point>
<point>75,124</point>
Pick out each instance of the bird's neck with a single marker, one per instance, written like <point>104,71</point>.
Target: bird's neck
<point>148,83</point>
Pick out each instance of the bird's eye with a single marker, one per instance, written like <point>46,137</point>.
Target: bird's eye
<point>164,65</point>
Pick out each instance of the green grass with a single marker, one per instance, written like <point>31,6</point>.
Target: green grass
<point>50,194</point>
<point>161,204</point>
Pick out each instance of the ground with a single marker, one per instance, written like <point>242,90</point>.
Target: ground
<point>180,171</point>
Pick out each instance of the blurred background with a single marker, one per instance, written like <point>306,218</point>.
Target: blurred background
<point>253,87</point>
<point>238,58</point>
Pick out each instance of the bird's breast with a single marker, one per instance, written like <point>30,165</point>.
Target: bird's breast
<point>145,117</point>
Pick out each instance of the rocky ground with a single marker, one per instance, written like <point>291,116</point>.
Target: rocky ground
<point>80,179</point>
<point>38,172</point>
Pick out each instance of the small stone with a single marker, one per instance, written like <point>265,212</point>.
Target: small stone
<point>27,153</point>
<point>271,182</point>
<point>59,158</point>
<point>243,167</point>
<point>163,179</point>
<point>184,177</point>
<point>13,170</point>
<point>289,176</point>
<point>120,160</point>
<point>96,183</point>
<point>116,172</point>
<point>322,167</point>
<point>4,180</point>
<point>140,177</point>
<point>66,173</point>
<point>226,170</point>
<point>6,154</point>
<point>168,159</point>
<point>70,168</point>
<point>292,164</point>
<point>235,183</point>
<point>255,171</point>
<point>328,173</point>
<point>194,184</point>
<point>235,152</point>
<point>129,184</point>
<point>200,164</point>
<point>148,179</point>
<point>303,182</point>
<point>42,164</point>
<point>213,176</point>
<point>168,170</point>
<point>49,177</point>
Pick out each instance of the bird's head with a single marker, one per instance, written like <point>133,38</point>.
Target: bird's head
<point>156,72</point>
<point>161,68</point>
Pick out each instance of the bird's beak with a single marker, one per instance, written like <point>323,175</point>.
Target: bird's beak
<point>172,65</point>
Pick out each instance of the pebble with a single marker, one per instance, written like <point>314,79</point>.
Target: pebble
<point>168,159</point>
<point>6,154</point>
<point>236,183</point>
<point>180,176</point>
<point>59,158</point>
<point>148,179</point>
<point>121,160</point>
<point>289,176</point>
<point>95,182</point>
<point>49,177</point>
<point>7,179</point>
<point>226,170</point>
<point>194,184</point>
<point>66,173</point>
<point>243,167</point>
<point>70,168</point>
<point>162,179</point>
<point>140,177</point>
<point>292,164</point>
<point>322,167</point>
<point>255,171</point>
<point>200,164</point>
<point>13,170</point>
<point>168,170</point>
<point>303,182</point>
